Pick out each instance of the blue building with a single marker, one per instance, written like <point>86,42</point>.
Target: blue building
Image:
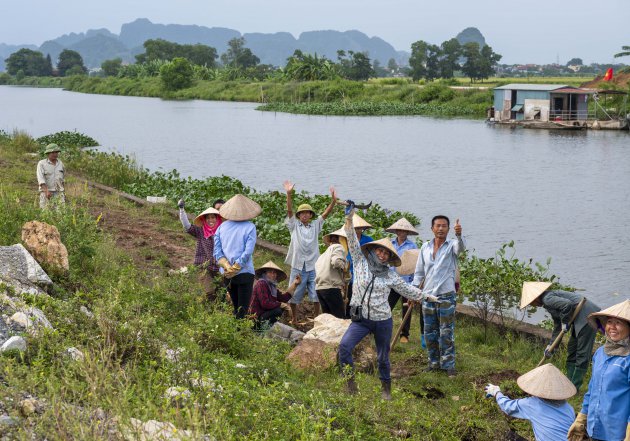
<point>540,102</point>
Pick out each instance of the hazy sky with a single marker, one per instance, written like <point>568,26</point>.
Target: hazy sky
<point>533,31</point>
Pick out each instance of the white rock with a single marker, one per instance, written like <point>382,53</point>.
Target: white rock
<point>21,319</point>
<point>38,317</point>
<point>14,343</point>
<point>156,430</point>
<point>240,366</point>
<point>157,199</point>
<point>176,392</point>
<point>328,328</point>
<point>86,312</point>
<point>75,354</point>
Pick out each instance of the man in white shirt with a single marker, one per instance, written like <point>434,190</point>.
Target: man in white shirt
<point>50,177</point>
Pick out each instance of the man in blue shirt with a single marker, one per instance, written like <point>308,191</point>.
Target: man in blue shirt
<point>435,272</point>
<point>402,229</point>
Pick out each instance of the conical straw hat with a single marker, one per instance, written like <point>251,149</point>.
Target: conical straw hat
<point>547,382</point>
<point>270,265</point>
<point>409,260</point>
<point>199,219</point>
<point>340,233</point>
<point>620,310</point>
<point>404,225</point>
<point>531,291</point>
<point>394,260</point>
<point>239,208</point>
<point>359,222</point>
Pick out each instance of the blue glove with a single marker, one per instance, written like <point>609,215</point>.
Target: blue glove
<point>181,203</point>
<point>492,390</point>
<point>349,207</point>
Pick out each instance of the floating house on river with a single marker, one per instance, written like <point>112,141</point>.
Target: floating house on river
<point>549,106</point>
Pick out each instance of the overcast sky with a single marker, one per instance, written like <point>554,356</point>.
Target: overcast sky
<point>534,31</point>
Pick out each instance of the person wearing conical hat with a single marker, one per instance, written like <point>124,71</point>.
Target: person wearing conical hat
<point>360,227</point>
<point>203,229</point>
<point>605,413</point>
<point>435,273</point>
<point>331,274</point>
<point>547,407</point>
<point>304,247</point>
<point>561,305</point>
<point>51,177</point>
<point>369,310</point>
<point>234,243</point>
<point>402,228</point>
<point>267,298</point>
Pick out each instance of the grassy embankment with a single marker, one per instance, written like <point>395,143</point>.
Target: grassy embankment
<point>140,311</point>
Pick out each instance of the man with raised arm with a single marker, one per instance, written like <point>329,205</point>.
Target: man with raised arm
<point>304,247</point>
<point>435,274</point>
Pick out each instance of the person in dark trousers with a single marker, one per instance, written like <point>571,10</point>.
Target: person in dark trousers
<point>360,226</point>
<point>234,244</point>
<point>331,274</point>
<point>267,298</point>
<point>561,306</point>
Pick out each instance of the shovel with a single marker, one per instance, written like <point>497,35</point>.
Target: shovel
<point>357,206</point>
<point>558,339</point>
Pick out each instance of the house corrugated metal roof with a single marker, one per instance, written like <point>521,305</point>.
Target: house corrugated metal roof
<point>517,108</point>
<point>573,90</point>
<point>538,87</point>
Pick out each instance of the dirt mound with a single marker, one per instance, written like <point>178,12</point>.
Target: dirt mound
<point>621,80</point>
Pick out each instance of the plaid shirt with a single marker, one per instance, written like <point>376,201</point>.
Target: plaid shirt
<point>205,249</point>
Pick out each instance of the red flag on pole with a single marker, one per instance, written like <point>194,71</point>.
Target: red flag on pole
<point>609,74</point>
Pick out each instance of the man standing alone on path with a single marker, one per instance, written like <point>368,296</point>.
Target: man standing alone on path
<point>436,269</point>
<point>50,177</point>
<point>304,247</point>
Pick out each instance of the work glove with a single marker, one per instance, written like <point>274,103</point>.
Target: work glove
<point>224,263</point>
<point>577,431</point>
<point>548,351</point>
<point>232,271</point>
<point>349,207</point>
<point>181,204</point>
<point>431,298</point>
<point>492,390</point>
<point>566,328</point>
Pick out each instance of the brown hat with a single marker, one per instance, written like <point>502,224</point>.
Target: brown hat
<point>409,260</point>
<point>199,219</point>
<point>620,311</point>
<point>403,225</point>
<point>239,208</point>
<point>547,382</point>
<point>339,233</point>
<point>394,260</point>
<point>359,222</point>
<point>531,291</point>
<point>270,265</point>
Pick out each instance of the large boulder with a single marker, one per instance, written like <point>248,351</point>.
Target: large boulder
<point>21,272</point>
<point>318,348</point>
<point>44,243</point>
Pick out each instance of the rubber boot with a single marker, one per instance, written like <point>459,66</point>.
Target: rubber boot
<point>570,370</point>
<point>386,390</point>
<point>578,377</point>
<point>351,386</point>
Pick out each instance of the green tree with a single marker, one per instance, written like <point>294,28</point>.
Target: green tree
<point>178,74</point>
<point>238,55</point>
<point>159,49</point>
<point>472,66</point>
<point>30,62</point>
<point>49,67</point>
<point>449,59</point>
<point>69,59</point>
<point>625,52</point>
<point>307,67</point>
<point>433,62</point>
<point>111,67</point>
<point>392,66</point>
<point>355,65</point>
<point>418,60</point>
<point>488,62</point>
<point>575,62</point>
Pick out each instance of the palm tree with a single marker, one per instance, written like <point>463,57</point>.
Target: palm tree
<point>625,53</point>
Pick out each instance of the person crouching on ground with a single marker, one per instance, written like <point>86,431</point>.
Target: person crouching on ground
<point>331,273</point>
<point>403,229</point>
<point>304,247</point>
<point>561,306</point>
<point>203,229</point>
<point>234,244</point>
<point>605,413</point>
<point>370,311</point>
<point>547,408</point>
<point>267,298</point>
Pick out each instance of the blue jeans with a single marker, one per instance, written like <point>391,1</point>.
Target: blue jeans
<point>382,331</point>
<point>439,331</point>
<point>308,282</point>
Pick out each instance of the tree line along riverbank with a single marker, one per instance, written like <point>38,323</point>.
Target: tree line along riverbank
<point>141,312</point>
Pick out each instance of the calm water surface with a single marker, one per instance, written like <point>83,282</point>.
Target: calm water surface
<point>562,195</point>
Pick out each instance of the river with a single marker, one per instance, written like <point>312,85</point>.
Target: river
<point>556,194</point>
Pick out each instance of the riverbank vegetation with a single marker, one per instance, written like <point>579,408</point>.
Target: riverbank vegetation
<point>152,331</point>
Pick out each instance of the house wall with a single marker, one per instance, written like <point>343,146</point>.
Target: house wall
<point>531,106</point>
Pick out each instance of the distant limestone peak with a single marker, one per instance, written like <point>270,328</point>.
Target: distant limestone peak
<point>469,35</point>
